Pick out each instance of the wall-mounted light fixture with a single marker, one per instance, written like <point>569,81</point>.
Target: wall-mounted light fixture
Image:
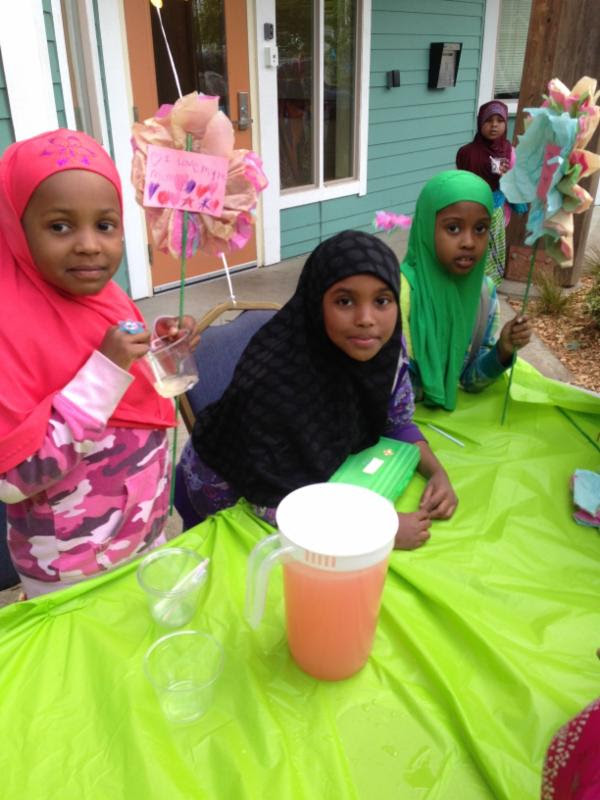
<point>393,78</point>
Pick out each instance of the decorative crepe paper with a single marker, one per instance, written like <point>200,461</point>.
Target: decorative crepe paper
<point>586,497</point>
<point>387,221</point>
<point>551,159</point>
<point>211,134</point>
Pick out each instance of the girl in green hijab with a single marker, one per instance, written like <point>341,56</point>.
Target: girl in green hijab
<point>451,308</point>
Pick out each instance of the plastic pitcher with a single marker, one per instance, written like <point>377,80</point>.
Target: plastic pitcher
<point>334,541</point>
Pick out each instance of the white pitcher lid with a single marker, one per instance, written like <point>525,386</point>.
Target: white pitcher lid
<point>338,526</point>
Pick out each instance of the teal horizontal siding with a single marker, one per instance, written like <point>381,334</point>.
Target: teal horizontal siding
<point>59,101</point>
<point>414,132</point>
<point>4,107</point>
<point>510,128</point>
<point>300,216</point>
<point>439,26</point>
<point>416,60</point>
<point>302,233</point>
<point>7,134</point>
<point>445,7</point>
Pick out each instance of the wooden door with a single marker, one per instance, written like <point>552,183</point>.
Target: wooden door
<point>209,42</point>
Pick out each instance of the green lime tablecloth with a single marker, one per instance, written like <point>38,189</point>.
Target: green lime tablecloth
<point>485,646</point>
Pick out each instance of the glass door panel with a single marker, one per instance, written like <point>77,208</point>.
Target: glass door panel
<point>295,92</point>
<point>339,69</point>
<point>209,42</point>
<point>196,33</point>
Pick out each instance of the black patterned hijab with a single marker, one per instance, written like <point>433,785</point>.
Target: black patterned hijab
<point>297,405</point>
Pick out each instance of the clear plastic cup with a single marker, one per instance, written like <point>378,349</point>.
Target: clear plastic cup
<point>172,600</point>
<point>173,365</point>
<point>183,668</point>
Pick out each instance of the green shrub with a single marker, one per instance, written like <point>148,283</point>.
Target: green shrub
<point>591,261</point>
<point>592,299</point>
<point>552,298</point>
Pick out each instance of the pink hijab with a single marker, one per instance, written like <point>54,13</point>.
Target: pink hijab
<point>47,335</point>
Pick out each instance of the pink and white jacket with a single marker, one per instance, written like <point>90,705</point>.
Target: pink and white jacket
<point>93,496</point>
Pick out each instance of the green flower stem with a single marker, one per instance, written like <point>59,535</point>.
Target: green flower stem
<point>188,147</point>
<point>523,310</point>
<point>581,431</point>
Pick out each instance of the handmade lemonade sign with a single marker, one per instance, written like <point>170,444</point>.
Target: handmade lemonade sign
<point>193,201</point>
<point>185,180</point>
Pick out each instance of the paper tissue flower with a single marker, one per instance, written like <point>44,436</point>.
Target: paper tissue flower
<point>211,134</point>
<point>387,221</point>
<point>550,160</point>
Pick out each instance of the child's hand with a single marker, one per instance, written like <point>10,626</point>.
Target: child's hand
<point>514,335</point>
<point>124,348</point>
<point>412,530</point>
<point>171,328</point>
<point>439,499</point>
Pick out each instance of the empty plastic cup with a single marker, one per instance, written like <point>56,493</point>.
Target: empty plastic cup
<point>183,668</point>
<point>164,575</point>
<point>173,365</point>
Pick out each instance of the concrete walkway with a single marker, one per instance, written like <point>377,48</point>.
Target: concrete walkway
<point>276,283</point>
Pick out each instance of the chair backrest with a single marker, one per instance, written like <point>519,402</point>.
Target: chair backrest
<point>217,355</point>
<point>8,576</point>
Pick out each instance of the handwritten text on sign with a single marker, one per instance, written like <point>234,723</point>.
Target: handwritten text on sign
<point>187,181</point>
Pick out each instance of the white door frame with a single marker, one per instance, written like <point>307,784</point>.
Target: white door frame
<point>113,35</point>
<point>265,132</point>
<point>267,140</point>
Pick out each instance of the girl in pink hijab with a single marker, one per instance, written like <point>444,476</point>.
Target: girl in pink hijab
<point>84,462</point>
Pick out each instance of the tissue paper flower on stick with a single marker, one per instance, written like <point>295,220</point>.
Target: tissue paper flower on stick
<point>211,134</point>
<point>387,221</point>
<point>550,160</point>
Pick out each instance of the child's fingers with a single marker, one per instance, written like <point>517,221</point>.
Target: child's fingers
<point>174,328</point>
<point>138,338</point>
<point>445,509</point>
<point>426,496</point>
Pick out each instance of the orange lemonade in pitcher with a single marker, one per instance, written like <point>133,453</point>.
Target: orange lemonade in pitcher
<point>331,617</point>
<point>334,541</point>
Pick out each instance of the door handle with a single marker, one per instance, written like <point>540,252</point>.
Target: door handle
<point>243,121</point>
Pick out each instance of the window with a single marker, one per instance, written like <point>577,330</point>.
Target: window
<point>317,83</point>
<point>513,27</point>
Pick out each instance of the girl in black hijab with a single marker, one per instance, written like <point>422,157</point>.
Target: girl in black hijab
<point>325,377</point>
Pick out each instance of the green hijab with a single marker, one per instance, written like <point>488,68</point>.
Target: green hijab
<point>443,307</point>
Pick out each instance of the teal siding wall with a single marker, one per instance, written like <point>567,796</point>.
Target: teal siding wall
<point>54,68</point>
<point>510,128</point>
<point>414,131</point>
<point>122,274</point>
<point>7,134</point>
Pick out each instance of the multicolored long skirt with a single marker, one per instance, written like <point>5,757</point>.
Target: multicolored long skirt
<point>496,259</point>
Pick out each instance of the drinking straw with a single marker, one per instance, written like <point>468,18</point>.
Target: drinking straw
<point>165,607</point>
<point>230,285</point>
<point>447,435</point>
<point>184,236</point>
<point>523,309</point>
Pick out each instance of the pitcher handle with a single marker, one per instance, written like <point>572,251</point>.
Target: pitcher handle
<point>260,563</point>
